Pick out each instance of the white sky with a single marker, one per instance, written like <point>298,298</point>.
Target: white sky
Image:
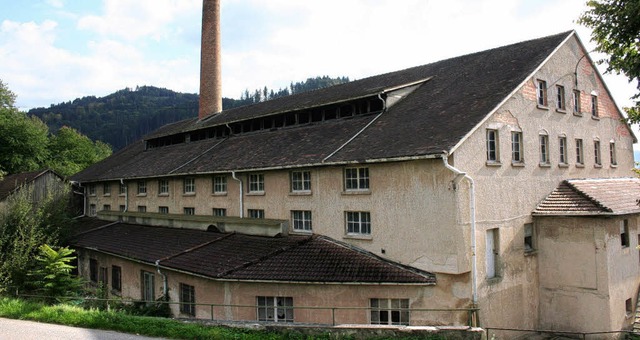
<point>53,51</point>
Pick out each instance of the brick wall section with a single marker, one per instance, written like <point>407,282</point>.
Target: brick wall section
<point>529,90</point>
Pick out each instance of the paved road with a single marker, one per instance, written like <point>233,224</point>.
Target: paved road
<point>30,330</point>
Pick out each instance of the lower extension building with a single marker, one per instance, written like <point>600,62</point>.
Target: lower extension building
<point>500,180</point>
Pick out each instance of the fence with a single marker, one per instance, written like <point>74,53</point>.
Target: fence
<point>511,333</point>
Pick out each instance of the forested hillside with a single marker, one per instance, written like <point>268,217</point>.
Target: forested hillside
<point>126,115</point>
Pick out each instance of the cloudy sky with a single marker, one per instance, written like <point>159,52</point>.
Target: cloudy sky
<point>57,50</point>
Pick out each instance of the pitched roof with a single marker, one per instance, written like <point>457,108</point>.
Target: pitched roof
<point>10,183</point>
<point>452,97</point>
<point>232,256</point>
<point>608,196</point>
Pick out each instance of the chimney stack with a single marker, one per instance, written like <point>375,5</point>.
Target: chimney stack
<point>210,69</point>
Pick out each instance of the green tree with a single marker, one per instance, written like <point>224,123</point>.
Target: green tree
<point>52,275</point>
<point>616,31</point>
<point>72,151</point>
<point>7,98</point>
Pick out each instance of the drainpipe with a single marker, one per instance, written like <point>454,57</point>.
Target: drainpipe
<point>472,206</point>
<point>126,195</point>
<point>165,288</point>
<point>233,174</point>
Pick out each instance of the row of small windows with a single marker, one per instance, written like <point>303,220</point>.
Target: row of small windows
<point>560,99</point>
<point>517,149</point>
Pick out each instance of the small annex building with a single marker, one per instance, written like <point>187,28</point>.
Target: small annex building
<point>40,181</point>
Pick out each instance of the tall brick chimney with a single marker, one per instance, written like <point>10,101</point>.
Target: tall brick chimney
<point>210,69</point>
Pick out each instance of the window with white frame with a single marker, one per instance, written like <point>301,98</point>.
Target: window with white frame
<point>163,210</point>
<point>612,153</point>
<point>544,149</point>
<point>163,187</point>
<point>560,98</point>
<point>219,184</point>
<point>624,233</point>
<point>148,287</point>
<point>541,92</point>
<point>493,155</point>
<point>219,212</point>
<point>106,188</point>
<point>492,247</point>
<point>256,183</point>
<point>142,187</point>
<point>122,207</point>
<point>301,220</point>
<point>189,211</point>
<point>142,208</point>
<point>562,150</point>
<point>275,308</point>
<point>596,153</point>
<point>301,181</point>
<point>92,210</point>
<point>189,186</point>
<point>516,147</point>
<point>106,207</point>
<point>356,178</point>
<point>187,299</point>
<point>358,222</point>
<point>594,105</point>
<point>255,213</point>
<point>389,311</point>
<point>122,189</point>
<point>576,101</point>
<point>92,189</point>
<point>579,152</point>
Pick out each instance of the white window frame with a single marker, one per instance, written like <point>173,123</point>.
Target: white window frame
<point>274,308</point>
<point>301,220</point>
<point>301,181</point>
<point>187,299</point>
<point>597,155</point>
<point>562,150</point>
<point>356,179</point>
<point>219,183</point>
<point>561,103</point>
<point>493,149</point>
<point>517,155</point>
<point>579,151</point>
<point>255,213</point>
<point>612,153</point>
<point>189,186</point>
<point>163,187</point>
<point>544,149</point>
<point>142,187</point>
<point>541,93</point>
<point>358,222</point>
<point>256,183</point>
<point>389,311</point>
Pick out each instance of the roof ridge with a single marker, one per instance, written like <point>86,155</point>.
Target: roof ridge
<point>587,196</point>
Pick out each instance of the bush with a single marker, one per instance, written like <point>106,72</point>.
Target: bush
<point>52,275</point>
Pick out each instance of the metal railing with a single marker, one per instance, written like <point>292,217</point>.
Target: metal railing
<point>508,333</point>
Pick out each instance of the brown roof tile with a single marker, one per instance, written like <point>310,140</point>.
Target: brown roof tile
<point>10,183</point>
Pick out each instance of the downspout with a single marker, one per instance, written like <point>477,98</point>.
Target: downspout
<point>165,288</point>
<point>126,195</point>
<point>472,208</point>
<point>233,175</point>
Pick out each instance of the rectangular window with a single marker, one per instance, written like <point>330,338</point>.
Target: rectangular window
<point>492,239</point>
<point>596,152</point>
<point>219,212</point>
<point>528,238</point>
<point>516,147</point>
<point>189,211</point>
<point>92,189</point>
<point>104,276</point>
<point>142,208</point>
<point>163,210</point>
<point>493,155</point>
<point>579,152</point>
<point>594,106</point>
<point>275,308</point>
<point>106,207</point>
<point>256,183</point>
<point>122,207</point>
<point>163,187</point>
<point>106,189</point>
<point>358,222</point>
<point>301,220</point>
<point>544,149</point>
<point>562,150</point>
<point>612,153</point>
<point>300,181</point>
<point>116,278</point>
<point>93,270</point>
<point>122,189</point>
<point>219,184</point>
<point>560,98</point>
<point>541,92</point>
<point>189,186</point>
<point>255,213</point>
<point>148,287</point>
<point>187,299</point>
<point>142,187</point>
<point>389,311</point>
<point>628,307</point>
<point>576,101</point>
<point>624,233</point>
<point>92,210</point>
<point>356,179</point>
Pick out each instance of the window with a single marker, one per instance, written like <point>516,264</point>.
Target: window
<point>528,238</point>
<point>122,208</point>
<point>219,184</point>
<point>92,210</point>
<point>624,233</point>
<point>560,102</point>
<point>142,208</point>
<point>301,220</point>
<point>106,189</point>
<point>275,308</point>
<point>122,189</point>
<point>142,187</point>
<point>358,222</point>
<point>148,287</point>
<point>93,270</point>
<point>612,153</point>
<point>187,299</point>
<point>562,150</point>
<point>544,149</point>
<point>256,213</point>
<point>116,278</point>
<point>163,187</point>
<point>300,181</point>
<point>594,105</point>
<point>189,186</point>
<point>492,146</point>
<point>596,152</point>
<point>219,212</point>
<point>628,307</point>
<point>579,152</point>
<point>256,183</point>
<point>92,189</point>
<point>541,92</point>
<point>356,179</point>
<point>576,101</point>
<point>390,311</point>
<point>106,207</point>
<point>104,276</point>
<point>516,147</point>
<point>189,211</point>
<point>163,210</point>
<point>492,239</point>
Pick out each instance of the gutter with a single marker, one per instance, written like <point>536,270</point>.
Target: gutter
<point>233,175</point>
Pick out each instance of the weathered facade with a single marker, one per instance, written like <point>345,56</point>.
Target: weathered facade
<point>422,168</point>
<point>39,184</point>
